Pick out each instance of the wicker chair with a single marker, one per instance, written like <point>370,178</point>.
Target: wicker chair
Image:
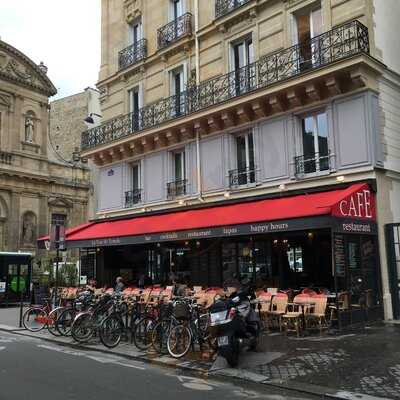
<point>278,309</point>
<point>292,320</point>
<point>316,317</point>
<point>264,305</point>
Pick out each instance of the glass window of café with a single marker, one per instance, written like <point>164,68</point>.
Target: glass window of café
<point>357,269</point>
<point>287,261</point>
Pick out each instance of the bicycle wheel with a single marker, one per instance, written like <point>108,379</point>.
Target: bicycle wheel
<point>142,334</point>
<point>160,336</point>
<point>34,319</point>
<point>64,321</point>
<point>82,328</point>
<point>179,341</point>
<point>52,321</point>
<point>111,330</point>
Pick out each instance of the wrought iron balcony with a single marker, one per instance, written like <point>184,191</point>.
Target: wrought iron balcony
<point>132,54</point>
<point>312,164</point>
<point>133,197</point>
<point>242,176</point>
<point>176,188</point>
<point>224,7</point>
<point>5,158</point>
<point>341,42</point>
<point>175,30</point>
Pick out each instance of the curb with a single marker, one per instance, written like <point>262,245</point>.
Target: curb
<point>218,375</point>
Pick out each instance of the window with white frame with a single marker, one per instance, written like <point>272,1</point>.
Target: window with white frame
<point>308,24</point>
<point>176,9</point>
<point>245,171</point>
<point>58,219</point>
<point>177,85</point>
<point>134,196</point>
<point>314,132</point>
<point>242,56</point>
<point>134,100</point>
<point>135,32</point>
<point>179,165</point>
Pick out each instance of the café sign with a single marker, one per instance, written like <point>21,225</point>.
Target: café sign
<point>360,204</point>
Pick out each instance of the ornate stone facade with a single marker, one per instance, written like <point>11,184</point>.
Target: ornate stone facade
<point>35,185</point>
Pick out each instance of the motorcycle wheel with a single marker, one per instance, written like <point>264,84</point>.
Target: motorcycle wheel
<point>232,355</point>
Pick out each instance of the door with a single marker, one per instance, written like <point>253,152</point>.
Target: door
<point>392,233</point>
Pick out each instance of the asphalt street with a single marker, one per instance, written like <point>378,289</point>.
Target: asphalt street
<point>35,369</point>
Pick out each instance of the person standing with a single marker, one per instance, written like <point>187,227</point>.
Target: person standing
<point>119,285</point>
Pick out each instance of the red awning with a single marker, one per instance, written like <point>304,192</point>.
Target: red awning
<point>355,201</point>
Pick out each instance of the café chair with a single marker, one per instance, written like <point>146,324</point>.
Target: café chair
<point>263,300</point>
<point>295,313</point>
<point>343,304</point>
<point>316,317</point>
<point>278,309</point>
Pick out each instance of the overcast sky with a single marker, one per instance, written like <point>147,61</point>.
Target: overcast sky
<point>65,35</point>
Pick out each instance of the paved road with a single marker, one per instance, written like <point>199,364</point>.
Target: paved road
<point>34,369</point>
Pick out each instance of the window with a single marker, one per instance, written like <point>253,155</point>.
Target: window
<point>177,87</point>
<point>58,219</point>
<point>136,177</point>
<point>241,59</point>
<point>179,166</point>
<point>176,9</point>
<point>134,196</point>
<point>245,172</point>
<point>315,144</point>
<point>134,107</point>
<point>308,24</point>
<point>243,53</point>
<point>135,32</point>
<point>178,185</point>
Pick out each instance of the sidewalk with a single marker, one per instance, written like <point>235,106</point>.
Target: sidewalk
<point>362,364</point>
<point>9,318</point>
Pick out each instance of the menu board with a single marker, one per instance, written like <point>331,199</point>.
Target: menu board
<point>339,253</point>
<point>354,255</point>
<point>368,254</point>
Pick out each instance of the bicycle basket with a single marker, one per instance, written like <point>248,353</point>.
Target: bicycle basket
<point>181,311</point>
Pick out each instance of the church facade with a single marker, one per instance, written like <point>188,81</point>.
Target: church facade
<point>37,188</point>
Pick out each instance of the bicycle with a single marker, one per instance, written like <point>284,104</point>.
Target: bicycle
<point>87,323</point>
<point>36,318</point>
<point>194,328</point>
<point>67,315</point>
<point>114,326</point>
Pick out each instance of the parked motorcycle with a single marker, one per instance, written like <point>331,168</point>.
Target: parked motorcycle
<point>235,324</point>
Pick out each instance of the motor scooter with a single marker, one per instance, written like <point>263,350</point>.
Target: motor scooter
<point>235,324</point>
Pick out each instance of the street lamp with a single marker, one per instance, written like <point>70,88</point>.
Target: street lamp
<point>89,119</point>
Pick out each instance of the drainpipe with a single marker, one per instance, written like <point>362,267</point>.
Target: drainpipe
<point>196,37</point>
<point>199,185</point>
<point>197,51</point>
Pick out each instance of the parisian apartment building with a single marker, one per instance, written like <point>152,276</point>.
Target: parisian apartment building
<point>249,138</point>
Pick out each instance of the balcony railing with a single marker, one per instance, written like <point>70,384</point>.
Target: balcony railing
<point>339,43</point>
<point>175,30</point>
<point>176,188</point>
<point>241,177</point>
<point>132,54</point>
<point>133,197</point>
<point>311,164</point>
<point>5,158</point>
<point>223,7</point>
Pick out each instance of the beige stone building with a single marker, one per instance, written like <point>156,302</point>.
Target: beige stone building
<point>68,117</point>
<point>229,103</point>
<point>36,187</point>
